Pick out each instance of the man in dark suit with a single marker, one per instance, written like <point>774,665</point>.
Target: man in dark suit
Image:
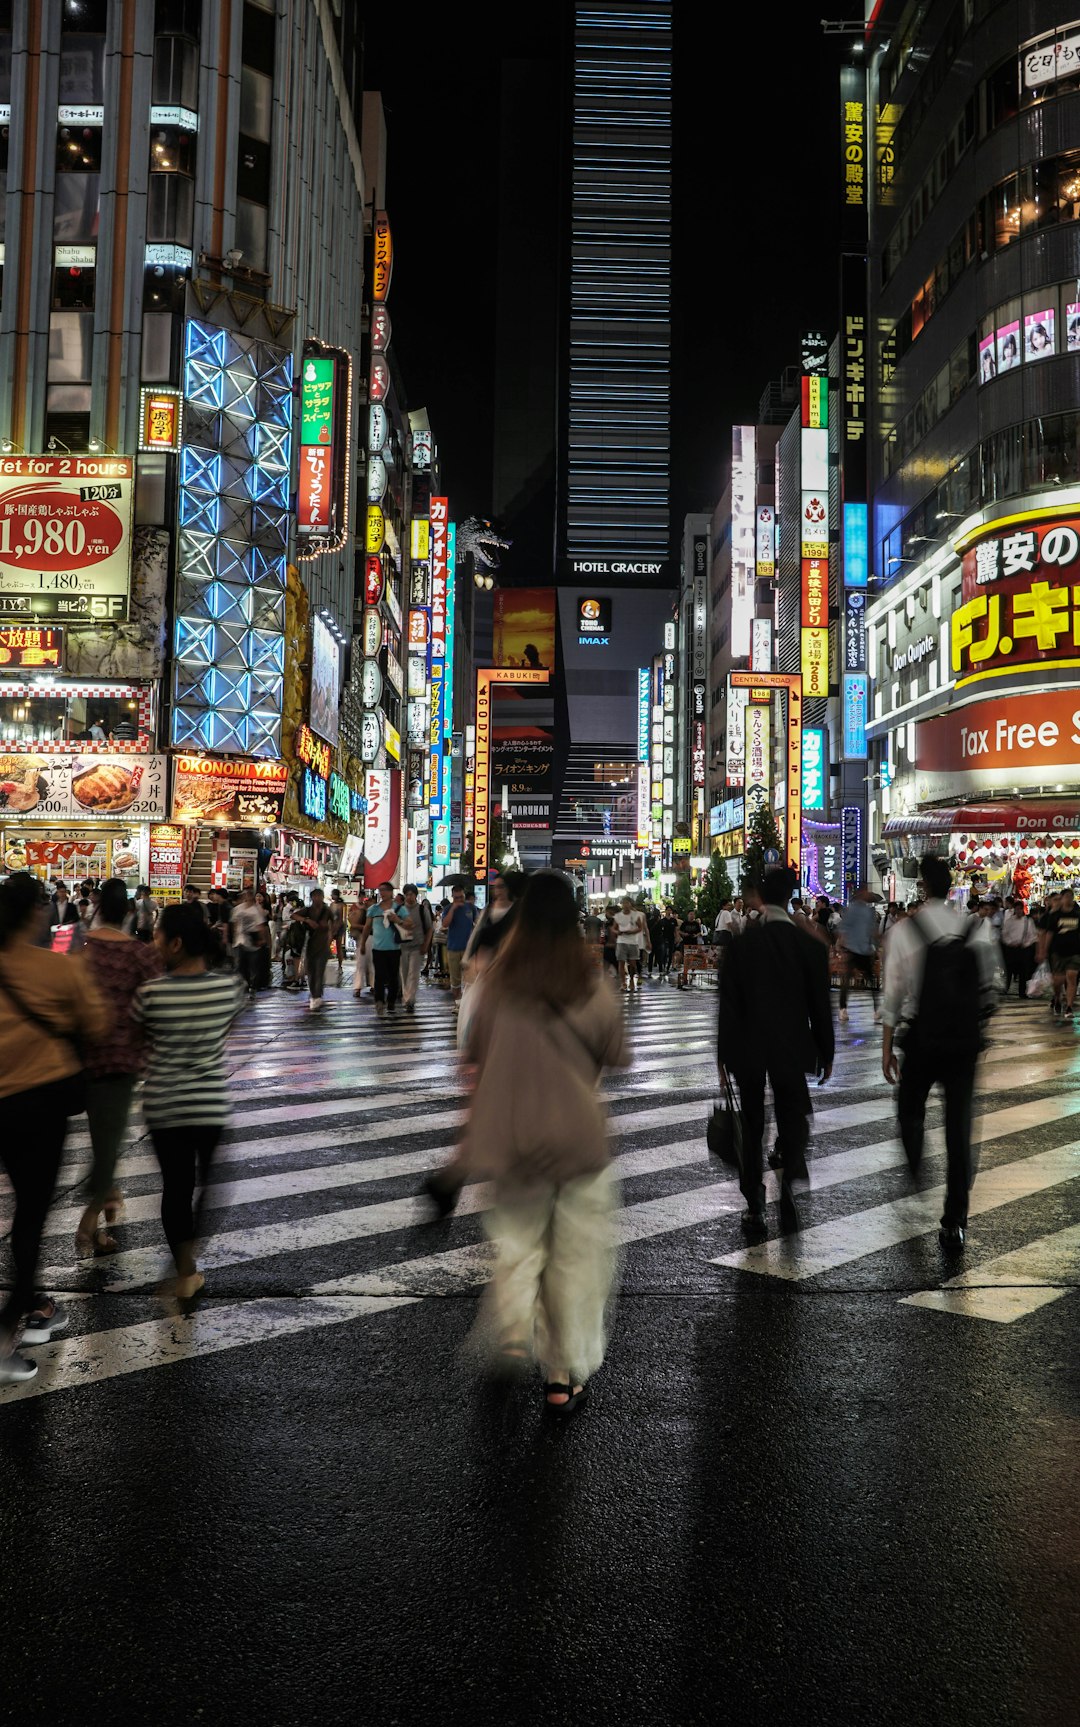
<point>775,1023</point>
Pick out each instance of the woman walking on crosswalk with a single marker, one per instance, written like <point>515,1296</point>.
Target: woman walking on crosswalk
<point>543,1029</point>
<point>186,1016</point>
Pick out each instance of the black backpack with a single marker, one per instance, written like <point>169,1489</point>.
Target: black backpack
<point>951,1008</point>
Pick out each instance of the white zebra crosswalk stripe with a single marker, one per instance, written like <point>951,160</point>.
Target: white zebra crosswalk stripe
<point>1012,1285</point>
<point>162,1342</point>
<point>826,1246</point>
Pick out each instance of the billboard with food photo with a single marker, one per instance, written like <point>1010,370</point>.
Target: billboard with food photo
<point>49,788</point>
<point>244,790</point>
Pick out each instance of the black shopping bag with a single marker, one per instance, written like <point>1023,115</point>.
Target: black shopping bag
<point>724,1133</point>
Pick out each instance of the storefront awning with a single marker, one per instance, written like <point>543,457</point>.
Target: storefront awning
<point>1004,817</point>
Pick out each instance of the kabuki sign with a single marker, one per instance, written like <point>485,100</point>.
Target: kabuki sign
<point>1020,606</point>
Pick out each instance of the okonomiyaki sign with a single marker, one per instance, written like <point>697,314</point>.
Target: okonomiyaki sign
<point>1020,602</point>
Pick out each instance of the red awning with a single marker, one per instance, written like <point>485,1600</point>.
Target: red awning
<point>1002,818</point>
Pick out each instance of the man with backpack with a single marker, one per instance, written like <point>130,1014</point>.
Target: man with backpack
<point>939,993</point>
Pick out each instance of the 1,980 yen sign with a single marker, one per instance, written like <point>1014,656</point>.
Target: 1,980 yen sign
<point>65,536</point>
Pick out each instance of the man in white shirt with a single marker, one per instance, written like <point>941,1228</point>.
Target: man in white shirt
<point>1018,942</point>
<point>629,940</point>
<point>728,924</point>
<point>940,1045</point>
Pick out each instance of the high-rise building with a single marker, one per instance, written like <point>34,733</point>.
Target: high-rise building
<point>182,313</point>
<point>970,141</point>
<point>583,472</point>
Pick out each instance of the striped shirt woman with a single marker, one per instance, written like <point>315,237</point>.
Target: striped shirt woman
<point>186,1016</point>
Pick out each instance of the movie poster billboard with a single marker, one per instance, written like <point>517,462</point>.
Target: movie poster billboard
<point>524,628</point>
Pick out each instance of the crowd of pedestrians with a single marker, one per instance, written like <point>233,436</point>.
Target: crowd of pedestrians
<point>149,991</point>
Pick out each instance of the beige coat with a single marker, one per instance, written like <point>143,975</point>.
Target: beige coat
<point>535,1113</point>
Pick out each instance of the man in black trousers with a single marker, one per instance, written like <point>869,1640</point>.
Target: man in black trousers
<point>775,1023</point>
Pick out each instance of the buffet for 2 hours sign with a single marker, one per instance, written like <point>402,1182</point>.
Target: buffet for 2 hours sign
<point>65,535</point>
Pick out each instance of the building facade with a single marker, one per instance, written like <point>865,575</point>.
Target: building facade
<point>974,315</point>
<point>193,337</point>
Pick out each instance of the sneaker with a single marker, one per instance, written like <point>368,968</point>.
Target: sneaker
<point>380,1009</point>
<point>843,1016</point>
<point>410,1007</point>
<point>315,1004</point>
<point>46,1318</point>
<point>15,1368</point>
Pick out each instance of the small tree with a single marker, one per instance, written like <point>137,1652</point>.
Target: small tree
<point>682,899</point>
<point>764,836</point>
<point>715,890</point>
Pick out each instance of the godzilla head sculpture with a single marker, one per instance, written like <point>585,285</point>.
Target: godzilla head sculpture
<point>479,538</point>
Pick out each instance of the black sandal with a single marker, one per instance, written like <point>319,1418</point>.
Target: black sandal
<point>574,1399</point>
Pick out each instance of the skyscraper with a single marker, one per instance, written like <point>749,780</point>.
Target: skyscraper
<point>615,472</point>
<point>583,473</point>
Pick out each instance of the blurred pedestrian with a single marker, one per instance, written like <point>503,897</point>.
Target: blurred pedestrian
<point>775,1025</point>
<point>48,1001</point>
<point>545,1027</point>
<point>939,994</point>
<point>315,918</point>
<point>336,908</point>
<point>119,965</point>
<point>146,913</point>
<point>186,1015</point>
<point>858,939</point>
<point>250,933</point>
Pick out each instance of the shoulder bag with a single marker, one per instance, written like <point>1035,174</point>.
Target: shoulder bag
<point>724,1132</point>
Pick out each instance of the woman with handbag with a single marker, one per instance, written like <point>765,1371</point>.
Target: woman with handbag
<point>48,1003</point>
<point>544,1028</point>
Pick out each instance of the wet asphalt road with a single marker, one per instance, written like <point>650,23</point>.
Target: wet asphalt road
<point>791,1498</point>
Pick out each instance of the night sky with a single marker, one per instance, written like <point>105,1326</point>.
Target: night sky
<point>755,216</point>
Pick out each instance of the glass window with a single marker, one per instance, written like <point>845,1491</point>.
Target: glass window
<point>178,17</point>
<point>253,171</point>
<point>75,208</point>
<point>169,210</point>
<point>176,73</point>
<point>150,505</point>
<point>67,416</point>
<point>256,92</point>
<point>1068,170</point>
<point>1042,210</point>
<point>172,151</point>
<point>78,148</point>
<point>71,346</point>
<point>1001,95</point>
<point>258,39</point>
<point>1007,200</point>
<point>82,69</point>
<point>73,287</point>
<point>251,226</point>
<point>163,288</point>
<point>157,347</point>
<point>65,718</point>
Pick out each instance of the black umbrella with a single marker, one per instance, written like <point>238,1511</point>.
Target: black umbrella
<point>452,881</point>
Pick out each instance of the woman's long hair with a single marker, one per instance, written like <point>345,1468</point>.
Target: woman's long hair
<point>20,897</point>
<point>544,955</point>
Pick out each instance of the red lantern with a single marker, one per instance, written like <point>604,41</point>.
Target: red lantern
<point>962,856</point>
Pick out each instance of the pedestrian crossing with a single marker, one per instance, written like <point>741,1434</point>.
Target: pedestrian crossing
<point>314,1217</point>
